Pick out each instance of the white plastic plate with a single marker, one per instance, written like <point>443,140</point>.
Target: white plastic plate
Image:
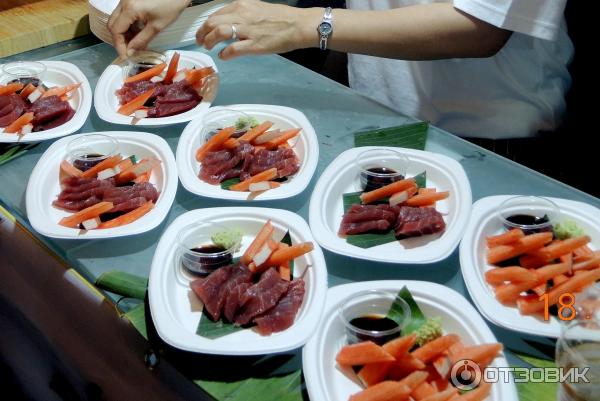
<point>107,103</point>
<point>60,73</point>
<point>306,148</point>
<point>176,310</point>
<point>342,176</point>
<point>325,382</point>
<point>44,187</point>
<point>484,222</point>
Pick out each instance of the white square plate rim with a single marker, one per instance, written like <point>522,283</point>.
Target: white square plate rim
<point>312,363</point>
<point>39,221</point>
<point>106,112</point>
<point>75,123</point>
<point>506,316</point>
<point>298,184</point>
<point>450,238</point>
<point>170,330</point>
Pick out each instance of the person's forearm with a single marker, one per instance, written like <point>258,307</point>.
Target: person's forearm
<point>420,32</point>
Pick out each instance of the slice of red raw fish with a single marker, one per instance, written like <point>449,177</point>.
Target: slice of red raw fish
<point>232,303</point>
<point>76,205</point>
<point>284,313</point>
<point>131,90</point>
<point>11,108</point>
<point>261,297</point>
<point>207,289</point>
<point>365,218</point>
<point>417,221</point>
<point>57,122</point>
<point>169,109</point>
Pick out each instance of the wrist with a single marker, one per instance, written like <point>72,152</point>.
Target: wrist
<point>308,21</point>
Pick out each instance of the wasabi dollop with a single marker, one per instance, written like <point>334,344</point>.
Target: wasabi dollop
<point>429,331</point>
<point>567,229</point>
<point>246,122</point>
<point>228,238</point>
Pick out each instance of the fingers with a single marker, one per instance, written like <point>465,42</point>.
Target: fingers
<point>239,48</point>
<point>212,23</point>
<point>222,33</point>
<point>141,40</point>
<point>119,24</point>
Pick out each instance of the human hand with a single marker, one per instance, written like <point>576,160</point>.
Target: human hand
<point>152,15</point>
<point>261,28</point>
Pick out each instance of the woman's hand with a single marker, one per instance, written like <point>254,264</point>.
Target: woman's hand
<point>261,28</point>
<point>134,23</point>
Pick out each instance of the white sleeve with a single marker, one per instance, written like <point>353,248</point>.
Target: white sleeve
<point>538,18</point>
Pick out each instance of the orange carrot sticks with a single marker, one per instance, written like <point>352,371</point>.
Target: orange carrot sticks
<point>103,165</point>
<point>390,189</point>
<point>283,255</point>
<point>424,199</point>
<point>135,104</point>
<point>526,244</point>
<point>514,274</point>
<point>15,126</point>
<point>128,217</point>
<point>362,353</point>
<point>149,73</point>
<point>505,238</point>
<point>261,238</point>
<point>10,88</point>
<point>172,70</point>
<point>266,175</point>
<point>214,142</point>
<point>96,210</point>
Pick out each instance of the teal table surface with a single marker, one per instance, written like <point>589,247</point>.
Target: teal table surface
<point>335,112</point>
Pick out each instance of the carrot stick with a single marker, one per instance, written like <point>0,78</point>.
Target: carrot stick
<point>69,170</point>
<point>588,264</point>
<point>510,292</point>
<point>61,90</point>
<point>214,142</point>
<point>146,75</point>
<point>28,90</point>
<point>531,261</point>
<point>231,143</point>
<point>424,390</point>
<point>143,178</point>
<point>415,379</point>
<point>433,349</point>
<point>362,353</point>
<point>442,396</point>
<point>285,271</point>
<point>540,289</point>
<point>531,306</point>
<point>478,394</point>
<point>514,274</point>
<point>172,70</point>
<point>560,248</point>
<point>266,175</point>
<point>283,255</point>
<point>252,133</point>
<point>390,189</point>
<point>193,77</point>
<point>561,278</point>
<point>91,212</point>
<point>15,126</point>
<point>373,373</point>
<point>261,238</point>
<point>136,170</point>
<point>103,165</point>
<point>10,88</point>
<point>135,104</point>
<point>525,244</point>
<point>582,251</point>
<point>505,238</point>
<point>404,366</point>
<point>125,164</point>
<point>283,138</point>
<point>128,217</point>
<point>478,353</point>
<point>384,391</point>
<point>424,199</point>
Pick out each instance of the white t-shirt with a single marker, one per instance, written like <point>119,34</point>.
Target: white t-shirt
<point>517,93</point>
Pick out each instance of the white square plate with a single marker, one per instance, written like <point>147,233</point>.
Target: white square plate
<point>44,187</point>
<point>325,382</point>
<point>176,310</point>
<point>60,73</point>
<point>484,222</point>
<point>106,101</point>
<point>306,148</point>
<point>342,176</point>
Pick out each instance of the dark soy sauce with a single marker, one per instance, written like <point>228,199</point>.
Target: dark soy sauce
<point>372,182</point>
<point>82,164</point>
<point>376,323</point>
<point>211,261</point>
<point>528,220</point>
<point>25,81</point>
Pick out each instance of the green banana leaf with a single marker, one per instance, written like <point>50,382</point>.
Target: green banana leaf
<point>536,391</point>
<point>121,283</point>
<point>412,136</point>
<point>10,152</point>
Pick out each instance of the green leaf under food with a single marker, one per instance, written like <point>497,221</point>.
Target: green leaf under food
<point>137,317</point>
<point>278,388</point>
<point>287,239</point>
<point>396,313</point>
<point>421,179</point>
<point>229,183</point>
<point>537,391</point>
<point>10,152</point>
<point>412,136</point>
<point>211,329</point>
<point>125,284</point>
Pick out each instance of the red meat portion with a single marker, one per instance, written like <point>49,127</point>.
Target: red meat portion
<point>366,218</point>
<point>417,221</point>
<point>261,297</point>
<point>131,90</point>
<point>11,108</point>
<point>284,313</point>
<point>284,159</point>
<point>208,288</point>
<point>50,112</point>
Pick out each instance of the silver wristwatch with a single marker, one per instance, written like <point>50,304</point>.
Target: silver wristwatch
<point>325,28</point>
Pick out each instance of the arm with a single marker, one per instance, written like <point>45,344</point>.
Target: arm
<point>421,32</point>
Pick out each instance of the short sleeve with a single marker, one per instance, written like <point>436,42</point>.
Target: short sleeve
<point>538,18</point>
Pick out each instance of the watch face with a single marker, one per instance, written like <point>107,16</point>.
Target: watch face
<point>325,28</point>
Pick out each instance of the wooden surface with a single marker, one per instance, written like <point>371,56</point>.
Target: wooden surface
<point>29,24</point>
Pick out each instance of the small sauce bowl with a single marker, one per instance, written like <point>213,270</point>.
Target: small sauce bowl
<point>143,60</point>
<point>380,167</point>
<point>364,317</point>
<point>532,214</point>
<point>197,252</point>
<point>215,120</point>
<point>88,150</point>
<point>24,72</point>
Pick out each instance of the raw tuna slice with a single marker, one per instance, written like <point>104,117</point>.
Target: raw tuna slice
<point>261,297</point>
<point>207,289</point>
<point>417,221</point>
<point>162,109</point>
<point>131,90</point>
<point>129,205</point>
<point>119,195</point>
<point>285,160</point>
<point>80,184</point>
<point>220,165</point>
<point>76,205</point>
<point>65,117</point>
<point>283,315</point>
<point>365,218</point>
<point>50,112</point>
<point>11,108</point>
<point>232,303</point>
<point>177,92</point>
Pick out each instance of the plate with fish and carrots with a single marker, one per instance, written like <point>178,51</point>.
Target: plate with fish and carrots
<point>392,205</point>
<point>248,152</point>
<point>155,89</point>
<point>102,185</point>
<point>41,100</point>
<point>525,258</point>
<point>237,281</point>
<point>401,340</point>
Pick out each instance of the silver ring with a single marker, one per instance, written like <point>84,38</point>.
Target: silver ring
<point>233,32</point>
